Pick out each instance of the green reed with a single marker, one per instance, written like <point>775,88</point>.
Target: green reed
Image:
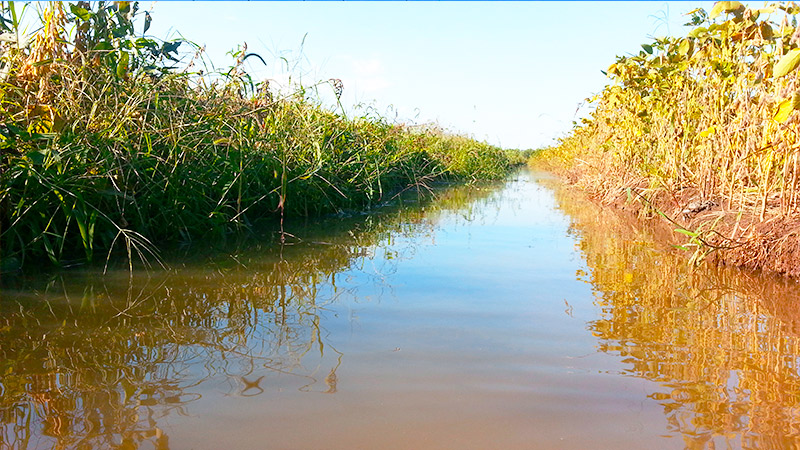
<point>106,147</point>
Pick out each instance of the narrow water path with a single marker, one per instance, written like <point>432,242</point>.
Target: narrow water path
<point>517,315</point>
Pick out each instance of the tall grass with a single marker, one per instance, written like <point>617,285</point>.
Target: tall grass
<point>106,146</point>
<point>711,113</point>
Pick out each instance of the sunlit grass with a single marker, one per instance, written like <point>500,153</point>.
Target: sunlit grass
<point>106,146</point>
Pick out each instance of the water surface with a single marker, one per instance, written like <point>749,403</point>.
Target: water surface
<point>515,315</point>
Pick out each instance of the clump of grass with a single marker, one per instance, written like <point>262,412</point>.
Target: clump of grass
<point>106,146</point>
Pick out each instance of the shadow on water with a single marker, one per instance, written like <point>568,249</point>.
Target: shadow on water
<point>93,361</point>
<point>723,344</point>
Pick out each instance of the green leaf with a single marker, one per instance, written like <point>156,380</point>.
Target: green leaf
<point>724,7</point>
<point>147,20</point>
<point>120,31</point>
<point>122,65</point>
<point>170,47</point>
<point>146,43</point>
<point>686,232</point>
<point>81,13</point>
<point>648,48</point>
<point>36,157</point>
<point>103,46</point>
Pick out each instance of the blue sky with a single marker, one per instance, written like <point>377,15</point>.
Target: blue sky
<point>509,73</point>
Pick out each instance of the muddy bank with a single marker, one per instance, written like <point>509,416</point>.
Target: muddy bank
<point>710,229</point>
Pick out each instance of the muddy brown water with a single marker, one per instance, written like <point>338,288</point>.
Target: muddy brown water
<point>515,315</point>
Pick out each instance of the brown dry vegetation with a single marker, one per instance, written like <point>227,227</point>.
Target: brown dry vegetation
<point>702,131</point>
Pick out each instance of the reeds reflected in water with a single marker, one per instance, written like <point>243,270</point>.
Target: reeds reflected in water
<point>724,344</point>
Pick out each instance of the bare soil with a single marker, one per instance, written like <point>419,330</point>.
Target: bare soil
<point>731,233</point>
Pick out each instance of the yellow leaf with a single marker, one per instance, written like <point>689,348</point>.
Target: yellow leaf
<point>721,7</point>
<point>788,63</point>
<point>708,131</point>
<point>785,108</point>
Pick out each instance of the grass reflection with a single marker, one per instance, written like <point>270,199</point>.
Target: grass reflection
<point>93,361</point>
<point>723,344</point>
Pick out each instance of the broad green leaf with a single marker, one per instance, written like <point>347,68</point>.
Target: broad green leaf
<point>648,48</point>
<point>103,46</point>
<point>146,43</point>
<point>120,31</point>
<point>147,20</point>
<point>122,65</point>
<point>724,7</point>
<point>81,13</point>
<point>785,108</point>
<point>36,157</point>
<point>170,47</point>
<point>787,64</point>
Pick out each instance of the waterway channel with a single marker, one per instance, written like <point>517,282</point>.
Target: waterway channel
<point>512,315</point>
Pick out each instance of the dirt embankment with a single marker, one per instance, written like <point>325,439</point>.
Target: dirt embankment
<point>712,228</point>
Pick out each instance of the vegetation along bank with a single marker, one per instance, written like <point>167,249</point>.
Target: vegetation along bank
<point>108,146</point>
<point>703,132</point>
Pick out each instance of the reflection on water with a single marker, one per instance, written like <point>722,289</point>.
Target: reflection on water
<point>92,361</point>
<point>723,344</point>
<point>459,323</point>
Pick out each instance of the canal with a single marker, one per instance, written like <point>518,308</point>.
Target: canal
<point>511,315</point>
